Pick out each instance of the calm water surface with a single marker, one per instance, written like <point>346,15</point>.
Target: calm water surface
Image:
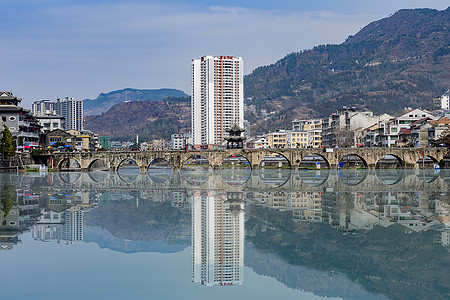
<point>225,234</point>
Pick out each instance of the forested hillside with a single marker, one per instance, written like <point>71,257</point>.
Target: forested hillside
<point>400,61</point>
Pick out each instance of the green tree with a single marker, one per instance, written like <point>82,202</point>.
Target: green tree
<point>6,143</point>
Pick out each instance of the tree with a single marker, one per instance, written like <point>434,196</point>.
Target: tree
<point>6,143</point>
<point>344,138</point>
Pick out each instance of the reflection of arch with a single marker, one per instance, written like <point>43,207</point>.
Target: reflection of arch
<point>354,162</point>
<point>69,164</point>
<point>235,159</point>
<point>428,175</point>
<point>314,177</point>
<point>385,160</point>
<point>236,177</point>
<point>273,154</point>
<point>69,178</point>
<point>353,177</point>
<point>98,164</point>
<point>390,176</point>
<point>127,178</point>
<point>274,178</point>
<point>98,176</point>
<point>196,176</point>
<point>311,155</point>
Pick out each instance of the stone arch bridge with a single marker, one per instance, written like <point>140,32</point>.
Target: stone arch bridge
<point>408,157</point>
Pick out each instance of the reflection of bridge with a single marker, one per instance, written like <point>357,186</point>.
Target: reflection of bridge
<point>246,180</point>
<point>408,157</point>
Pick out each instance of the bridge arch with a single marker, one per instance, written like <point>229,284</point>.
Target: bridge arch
<point>426,161</point>
<point>98,164</point>
<point>270,154</point>
<point>196,160</point>
<point>386,160</point>
<point>127,161</point>
<point>350,161</point>
<point>68,164</point>
<point>236,160</point>
<point>309,161</point>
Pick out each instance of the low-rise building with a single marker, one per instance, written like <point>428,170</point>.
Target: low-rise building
<point>59,138</point>
<point>84,140</point>
<point>298,139</point>
<point>20,122</point>
<point>278,139</point>
<point>50,123</point>
<point>104,141</point>
<point>390,131</point>
<point>177,142</point>
<point>313,128</point>
<point>257,143</point>
<point>338,128</point>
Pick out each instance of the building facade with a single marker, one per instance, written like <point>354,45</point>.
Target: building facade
<point>217,98</point>
<point>44,108</point>
<point>177,141</point>
<point>72,111</point>
<point>19,121</point>
<point>50,123</point>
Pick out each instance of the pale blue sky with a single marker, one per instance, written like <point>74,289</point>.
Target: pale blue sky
<point>59,48</point>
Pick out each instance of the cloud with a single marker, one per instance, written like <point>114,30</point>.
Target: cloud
<point>66,48</point>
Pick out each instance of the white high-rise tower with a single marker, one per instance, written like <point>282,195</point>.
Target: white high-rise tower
<point>217,97</point>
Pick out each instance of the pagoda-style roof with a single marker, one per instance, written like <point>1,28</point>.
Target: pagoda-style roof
<point>7,98</point>
<point>235,128</point>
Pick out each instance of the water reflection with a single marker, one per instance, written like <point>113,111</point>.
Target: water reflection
<point>360,229</point>
<point>217,238</point>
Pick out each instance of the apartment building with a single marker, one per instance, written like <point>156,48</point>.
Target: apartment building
<point>217,98</point>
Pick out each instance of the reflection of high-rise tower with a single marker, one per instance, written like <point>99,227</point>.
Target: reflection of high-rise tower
<point>72,230</point>
<point>217,238</point>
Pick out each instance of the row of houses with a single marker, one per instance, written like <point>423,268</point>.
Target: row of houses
<point>39,130</point>
<point>349,127</point>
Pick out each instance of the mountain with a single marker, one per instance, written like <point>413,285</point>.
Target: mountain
<point>149,119</point>
<point>105,101</point>
<point>399,61</point>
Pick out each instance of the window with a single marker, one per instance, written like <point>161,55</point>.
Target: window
<point>12,118</point>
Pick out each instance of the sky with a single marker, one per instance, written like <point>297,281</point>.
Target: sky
<point>67,48</point>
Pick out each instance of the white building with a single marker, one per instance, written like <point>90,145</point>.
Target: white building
<point>217,97</point>
<point>44,108</point>
<point>217,238</point>
<point>50,123</point>
<point>177,142</point>
<point>72,111</point>
<point>444,101</point>
<point>389,132</point>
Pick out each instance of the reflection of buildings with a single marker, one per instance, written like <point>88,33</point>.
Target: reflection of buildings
<point>66,226</point>
<point>355,211</point>
<point>305,206</point>
<point>22,214</point>
<point>217,238</point>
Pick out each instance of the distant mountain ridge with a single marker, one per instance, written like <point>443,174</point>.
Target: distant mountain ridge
<point>107,100</point>
<point>396,62</point>
<point>149,119</point>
